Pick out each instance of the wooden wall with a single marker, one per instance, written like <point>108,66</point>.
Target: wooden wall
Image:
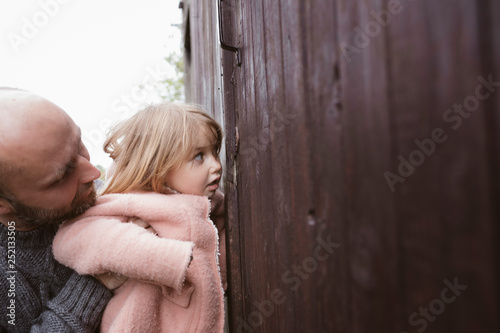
<point>362,161</point>
<point>202,57</point>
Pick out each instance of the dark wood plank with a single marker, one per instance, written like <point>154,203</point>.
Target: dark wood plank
<point>491,53</point>
<point>371,242</point>
<point>245,95</point>
<point>324,212</point>
<point>444,202</point>
<point>230,97</point>
<point>257,172</point>
<point>319,128</point>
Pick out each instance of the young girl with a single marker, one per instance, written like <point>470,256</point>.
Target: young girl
<point>150,235</point>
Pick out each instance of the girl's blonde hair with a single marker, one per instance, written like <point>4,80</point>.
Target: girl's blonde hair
<point>155,141</point>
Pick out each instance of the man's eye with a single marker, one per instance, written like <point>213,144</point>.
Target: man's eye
<point>199,157</point>
<point>69,169</point>
<point>62,179</point>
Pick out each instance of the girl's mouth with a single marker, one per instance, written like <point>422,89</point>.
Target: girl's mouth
<point>214,185</point>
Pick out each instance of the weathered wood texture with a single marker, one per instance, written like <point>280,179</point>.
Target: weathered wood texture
<point>369,126</point>
<point>203,65</point>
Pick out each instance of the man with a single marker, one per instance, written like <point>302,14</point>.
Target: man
<point>45,178</point>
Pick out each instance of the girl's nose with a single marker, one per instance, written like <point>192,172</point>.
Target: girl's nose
<point>216,165</point>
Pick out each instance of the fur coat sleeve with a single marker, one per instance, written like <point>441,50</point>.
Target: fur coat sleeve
<point>100,242</point>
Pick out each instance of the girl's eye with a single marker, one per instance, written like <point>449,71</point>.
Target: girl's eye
<point>199,157</point>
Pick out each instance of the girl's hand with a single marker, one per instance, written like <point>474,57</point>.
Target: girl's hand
<point>142,224</point>
<point>111,280</point>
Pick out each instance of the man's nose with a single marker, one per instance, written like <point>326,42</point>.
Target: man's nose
<point>88,172</point>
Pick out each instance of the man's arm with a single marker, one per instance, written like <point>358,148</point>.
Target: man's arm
<point>77,308</point>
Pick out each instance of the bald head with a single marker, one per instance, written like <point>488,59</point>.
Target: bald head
<point>26,118</point>
<point>12,118</point>
<point>46,173</point>
<point>23,112</point>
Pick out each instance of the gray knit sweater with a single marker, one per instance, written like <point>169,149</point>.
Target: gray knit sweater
<point>40,295</point>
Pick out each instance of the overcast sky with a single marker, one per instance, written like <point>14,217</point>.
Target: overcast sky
<point>88,57</point>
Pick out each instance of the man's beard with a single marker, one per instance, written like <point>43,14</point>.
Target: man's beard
<point>33,217</point>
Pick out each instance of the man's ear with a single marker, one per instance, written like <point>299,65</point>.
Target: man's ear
<point>5,207</point>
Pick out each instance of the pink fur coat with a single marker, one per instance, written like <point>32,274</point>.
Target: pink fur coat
<point>166,291</point>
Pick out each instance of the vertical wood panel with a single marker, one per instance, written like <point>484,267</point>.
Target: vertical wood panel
<point>230,101</point>
<point>445,203</point>
<point>318,202</point>
<point>370,221</point>
<point>206,70</point>
<point>275,135</point>
<point>492,53</point>
<point>318,130</point>
<point>256,170</point>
